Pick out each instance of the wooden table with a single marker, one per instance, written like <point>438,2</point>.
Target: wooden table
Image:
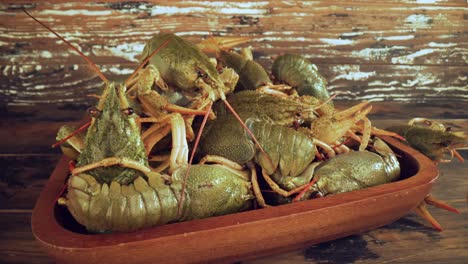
<point>410,54</point>
<point>408,240</point>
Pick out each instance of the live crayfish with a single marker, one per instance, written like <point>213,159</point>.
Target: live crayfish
<point>113,189</point>
<point>181,71</point>
<point>432,138</point>
<point>292,73</point>
<point>276,122</point>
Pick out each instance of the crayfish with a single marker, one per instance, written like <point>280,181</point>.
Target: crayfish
<point>112,187</point>
<point>434,140</point>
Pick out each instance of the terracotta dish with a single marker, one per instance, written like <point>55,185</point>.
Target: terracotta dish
<point>237,236</point>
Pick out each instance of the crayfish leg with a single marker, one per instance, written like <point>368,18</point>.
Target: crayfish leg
<point>256,187</point>
<point>276,188</point>
<point>306,189</point>
<point>440,204</point>
<point>421,209</point>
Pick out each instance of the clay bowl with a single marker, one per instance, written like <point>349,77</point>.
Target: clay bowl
<point>237,236</point>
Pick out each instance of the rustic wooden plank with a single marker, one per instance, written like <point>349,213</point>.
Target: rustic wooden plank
<point>17,244</point>
<point>25,138</point>
<point>69,85</point>
<point>23,178</point>
<point>418,33</point>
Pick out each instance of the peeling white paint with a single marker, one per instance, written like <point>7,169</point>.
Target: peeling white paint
<point>337,42</point>
<point>441,45</point>
<point>269,33</point>
<point>355,76</point>
<point>225,8</point>
<point>46,54</point>
<point>410,83</point>
<point>392,38</point>
<point>74,12</point>
<point>427,1</point>
<point>234,11</point>
<point>380,83</point>
<point>407,59</point>
<point>350,73</point>
<point>6,70</point>
<point>228,4</point>
<point>130,52</point>
<point>352,34</point>
<point>416,21</point>
<point>292,39</point>
<point>376,53</point>
<point>118,70</point>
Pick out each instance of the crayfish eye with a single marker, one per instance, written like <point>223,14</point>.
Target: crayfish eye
<point>128,111</point>
<point>94,112</point>
<point>202,74</point>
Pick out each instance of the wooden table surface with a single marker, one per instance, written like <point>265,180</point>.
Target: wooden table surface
<point>408,240</point>
<point>408,55</point>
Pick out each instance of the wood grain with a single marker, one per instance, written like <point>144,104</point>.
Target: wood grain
<point>68,86</point>
<point>413,51</point>
<point>22,248</point>
<point>23,178</point>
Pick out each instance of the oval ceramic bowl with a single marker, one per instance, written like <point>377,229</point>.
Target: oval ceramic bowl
<point>237,236</point>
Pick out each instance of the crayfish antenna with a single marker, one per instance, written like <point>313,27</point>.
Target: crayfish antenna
<point>421,209</point>
<point>93,66</point>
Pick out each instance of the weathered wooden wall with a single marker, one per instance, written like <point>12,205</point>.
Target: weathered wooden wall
<point>401,51</point>
<point>410,56</point>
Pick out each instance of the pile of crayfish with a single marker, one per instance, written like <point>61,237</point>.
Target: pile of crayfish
<point>255,139</point>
